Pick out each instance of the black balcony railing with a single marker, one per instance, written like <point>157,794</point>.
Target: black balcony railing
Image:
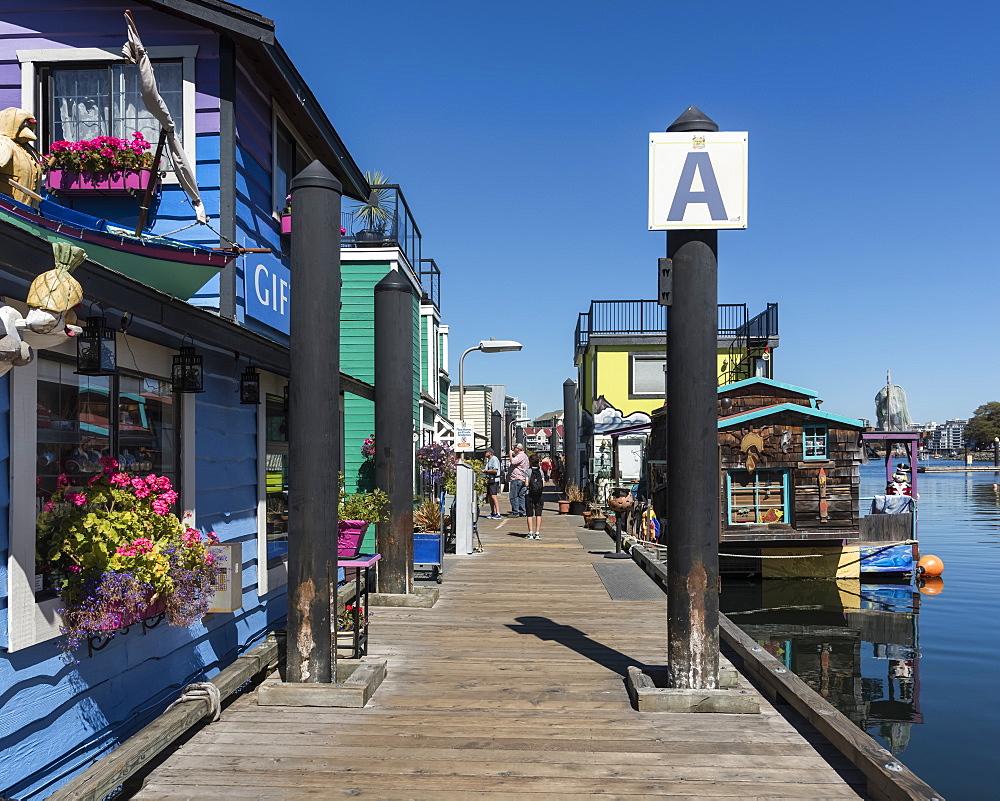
<point>397,229</point>
<point>430,281</point>
<point>624,317</point>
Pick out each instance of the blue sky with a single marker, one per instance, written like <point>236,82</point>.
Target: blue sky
<point>519,134</point>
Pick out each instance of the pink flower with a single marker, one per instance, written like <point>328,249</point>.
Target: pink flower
<point>121,480</point>
<point>49,506</point>
<point>138,483</point>
<point>76,497</point>
<point>62,481</point>
<point>143,492</point>
<point>213,538</point>
<point>143,545</point>
<point>151,480</point>
<point>74,568</point>
<point>169,496</point>
<point>209,558</point>
<point>110,464</point>
<point>160,506</point>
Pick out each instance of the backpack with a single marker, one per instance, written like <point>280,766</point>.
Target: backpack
<point>536,484</point>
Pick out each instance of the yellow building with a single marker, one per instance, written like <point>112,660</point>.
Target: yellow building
<point>620,356</point>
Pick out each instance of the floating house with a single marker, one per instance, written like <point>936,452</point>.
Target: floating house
<point>789,487</point>
<point>620,356</point>
<point>215,295</point>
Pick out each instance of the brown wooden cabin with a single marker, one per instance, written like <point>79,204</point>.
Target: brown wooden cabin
<point>789,470</point>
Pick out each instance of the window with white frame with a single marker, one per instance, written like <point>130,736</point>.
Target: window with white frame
<point>814,441</point>
<point>647,376</point>
<point>86,100</point>
<point>61,422</point>
<point>79,93</point>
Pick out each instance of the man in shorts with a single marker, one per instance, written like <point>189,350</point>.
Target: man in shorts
<point>492,473</point>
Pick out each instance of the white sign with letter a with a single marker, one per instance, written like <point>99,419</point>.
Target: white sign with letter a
<point>697,180</point>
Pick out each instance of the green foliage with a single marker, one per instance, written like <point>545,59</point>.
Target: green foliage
<point>377,212</point>
<point>370,506</point>
<point>984,425</point>
<point>451,480</point>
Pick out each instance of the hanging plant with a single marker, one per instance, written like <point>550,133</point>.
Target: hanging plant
<point>117,554</point>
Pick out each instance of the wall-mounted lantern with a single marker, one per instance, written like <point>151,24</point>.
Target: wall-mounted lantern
<point>97,348</point>
<point>188,373</point>
<point>250,386</point>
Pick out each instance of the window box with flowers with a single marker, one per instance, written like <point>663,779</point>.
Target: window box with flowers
<point>104,166</point>
<point>286,218</point>
<point>119,555</point>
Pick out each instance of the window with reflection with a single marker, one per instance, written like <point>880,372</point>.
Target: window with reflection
<point>80,419</point>
<point>276,477</point>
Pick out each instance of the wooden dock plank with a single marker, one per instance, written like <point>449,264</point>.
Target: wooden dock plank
<point>510,687</point>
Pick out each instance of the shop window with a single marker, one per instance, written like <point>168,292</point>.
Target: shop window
<point>814,439</point>
<point>276,477</point>
<point>81,419</point>
<point>104,100</point>
<point>758,497</point>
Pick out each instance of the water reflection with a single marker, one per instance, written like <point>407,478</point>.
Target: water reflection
<point>856,644</point>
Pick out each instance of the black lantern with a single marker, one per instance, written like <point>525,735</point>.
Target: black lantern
<point>188,374</point>
<point>250,386</point>
<point>284,407</point>
<point>96,348</point>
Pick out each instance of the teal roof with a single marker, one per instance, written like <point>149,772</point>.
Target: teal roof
<point>746,382</point>
<point>808,411</point>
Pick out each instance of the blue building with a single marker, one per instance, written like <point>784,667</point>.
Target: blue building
<point>249,123</point>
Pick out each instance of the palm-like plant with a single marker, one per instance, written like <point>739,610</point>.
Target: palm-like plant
<point>377,212</point>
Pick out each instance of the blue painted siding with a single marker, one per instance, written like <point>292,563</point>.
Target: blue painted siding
<point>57,717</point>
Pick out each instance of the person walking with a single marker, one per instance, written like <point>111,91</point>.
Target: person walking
<point>546,465</point>
<point>518,481</point>
<point>533,498</point>
<point>492,473</point>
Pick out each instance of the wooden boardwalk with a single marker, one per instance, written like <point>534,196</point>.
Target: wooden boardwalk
<point>511,687</point>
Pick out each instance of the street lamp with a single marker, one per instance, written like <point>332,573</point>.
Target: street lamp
<point>510,430</point>
<point>486,346</point>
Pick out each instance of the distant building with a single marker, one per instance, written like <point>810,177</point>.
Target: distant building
<point>948,437</point>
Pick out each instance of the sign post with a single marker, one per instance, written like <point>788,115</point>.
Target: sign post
<point>698,185</point>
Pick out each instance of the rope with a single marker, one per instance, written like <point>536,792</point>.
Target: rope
<point>171,233</point>
<point>202,691</point>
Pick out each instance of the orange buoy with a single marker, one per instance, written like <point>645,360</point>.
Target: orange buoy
<point>930,565</point>
<point>932,585</point>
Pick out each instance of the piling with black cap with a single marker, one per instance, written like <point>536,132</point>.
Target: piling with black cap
<point>314,440</point>
<point>692,460</point>
<point>394,395</point>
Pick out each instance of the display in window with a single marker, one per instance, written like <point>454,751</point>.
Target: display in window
<point>276,476</point>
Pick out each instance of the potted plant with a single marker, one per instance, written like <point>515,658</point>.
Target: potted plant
<point>117,554</point>
<point>575,497</point>
<point>355,512</point>
<point>103,166</point>
<point>377,214</point>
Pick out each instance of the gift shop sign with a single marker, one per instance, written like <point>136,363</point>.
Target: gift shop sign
<point>697,180</point>
<point>266,290</point>
<point>463,437</point>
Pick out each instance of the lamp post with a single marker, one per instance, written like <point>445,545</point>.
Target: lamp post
<point>486,346</point>
<point>510,430</point>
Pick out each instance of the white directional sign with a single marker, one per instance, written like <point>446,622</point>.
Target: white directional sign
<point>697,180</point>
<point>464,437</point>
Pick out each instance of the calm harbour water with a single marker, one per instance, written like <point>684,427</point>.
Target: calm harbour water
<point>914,670</point>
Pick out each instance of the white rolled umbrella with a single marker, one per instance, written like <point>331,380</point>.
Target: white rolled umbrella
<point>136,54</point>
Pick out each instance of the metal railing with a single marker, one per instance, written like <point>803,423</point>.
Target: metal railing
<point>430,280</point>
<point>622,317</point>
<point>399,229</point>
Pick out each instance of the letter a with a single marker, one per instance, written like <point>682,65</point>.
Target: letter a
<point>711,195</point>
